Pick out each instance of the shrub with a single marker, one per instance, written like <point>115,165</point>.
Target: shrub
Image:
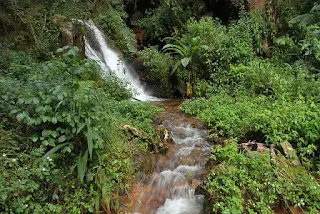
<point>157,71</point>
<point>167,18</point>
<point>113,24</point>
<point>271,121</point>
<point>250,182</point>
<point>62,137</point>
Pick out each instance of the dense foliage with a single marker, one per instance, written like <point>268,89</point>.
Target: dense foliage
<point>249,182</point>
<point>29,25</point>
<point>62,146</point>
<point>268,94</point>
<point>158,70</point>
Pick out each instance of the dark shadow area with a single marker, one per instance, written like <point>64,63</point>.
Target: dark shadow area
<point>225,10</point>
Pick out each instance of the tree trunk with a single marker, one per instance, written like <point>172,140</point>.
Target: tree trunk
<point>191,78</point>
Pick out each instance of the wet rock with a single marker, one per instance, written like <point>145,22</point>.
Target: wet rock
<point>162,134</point>
<point>290,153</point>
<point>71,33</point>
<point>253,146</point>
<point>163,148</point>
<point>207,204</point>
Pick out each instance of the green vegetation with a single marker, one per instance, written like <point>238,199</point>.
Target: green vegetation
<point>187,54</point>
<point>28,25</point>
<point>251,182</point>
<point>168,17</point>
<point>112,22</point>
<point>265,94</point>
<point>62,146</point>
<point>158,70</point>
<point>66,139</point>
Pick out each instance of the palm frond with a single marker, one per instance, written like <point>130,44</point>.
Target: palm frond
<point>175,48</point>
<point>176,65</point>
<point>177,41</point>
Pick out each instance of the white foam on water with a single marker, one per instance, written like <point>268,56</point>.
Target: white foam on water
<point>110,61</point>
<point>182,206</point>
<point>184,169</point>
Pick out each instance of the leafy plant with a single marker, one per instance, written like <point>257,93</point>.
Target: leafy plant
<point>113,24</point>
<point>310,18</point>
<point>157,71</point>
<point>187,54</point>
<point>263,119</point>
<point>67,139</point>
<point>245,181</point>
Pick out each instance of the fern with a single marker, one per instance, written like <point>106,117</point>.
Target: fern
<point>316,8</point>
<point>312,17</point>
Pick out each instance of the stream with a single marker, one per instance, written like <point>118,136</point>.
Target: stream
<point>172,186</point>
<point>171,189</point>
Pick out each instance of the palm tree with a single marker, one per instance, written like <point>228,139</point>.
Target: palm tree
<point>187,53</point>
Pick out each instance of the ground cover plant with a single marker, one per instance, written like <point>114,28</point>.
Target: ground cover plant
<point>270,98</point>
<point>62,146</point>
<point>65,139</point>
<point>251,182</point>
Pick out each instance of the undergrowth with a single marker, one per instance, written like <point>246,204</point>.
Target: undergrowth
<point>62,145</point>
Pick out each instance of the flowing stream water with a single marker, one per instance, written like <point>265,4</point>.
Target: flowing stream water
<point>171,189</point>
<point>178,173</point>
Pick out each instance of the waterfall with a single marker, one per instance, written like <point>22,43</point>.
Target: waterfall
<point>110,62</point>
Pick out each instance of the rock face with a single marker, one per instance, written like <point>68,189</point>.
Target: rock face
<point>290,153</point>
<point>71,33</point>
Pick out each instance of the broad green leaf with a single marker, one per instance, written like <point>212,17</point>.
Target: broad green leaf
<point>35,100</point>
<point>59,50</point>
<point>185,61</point>
<point>60,96</point>
<point>20,117</point>
<point>62,138</point>
<point>82,165</point>
<point>54,134</point>
<point>35,138</point>
<point>196,40</point>
<point>76,48</point>
<point>90,140</point>
<point>54,120</point>
<point>204,47</point>
<point>21,100</point>
<point>55,196</point>
<point>54,149</point>
<point>45,119</point>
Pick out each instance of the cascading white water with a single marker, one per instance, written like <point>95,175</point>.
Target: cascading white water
<point>172,189</point>
<point>110,61</point>
<point>182,198</point>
